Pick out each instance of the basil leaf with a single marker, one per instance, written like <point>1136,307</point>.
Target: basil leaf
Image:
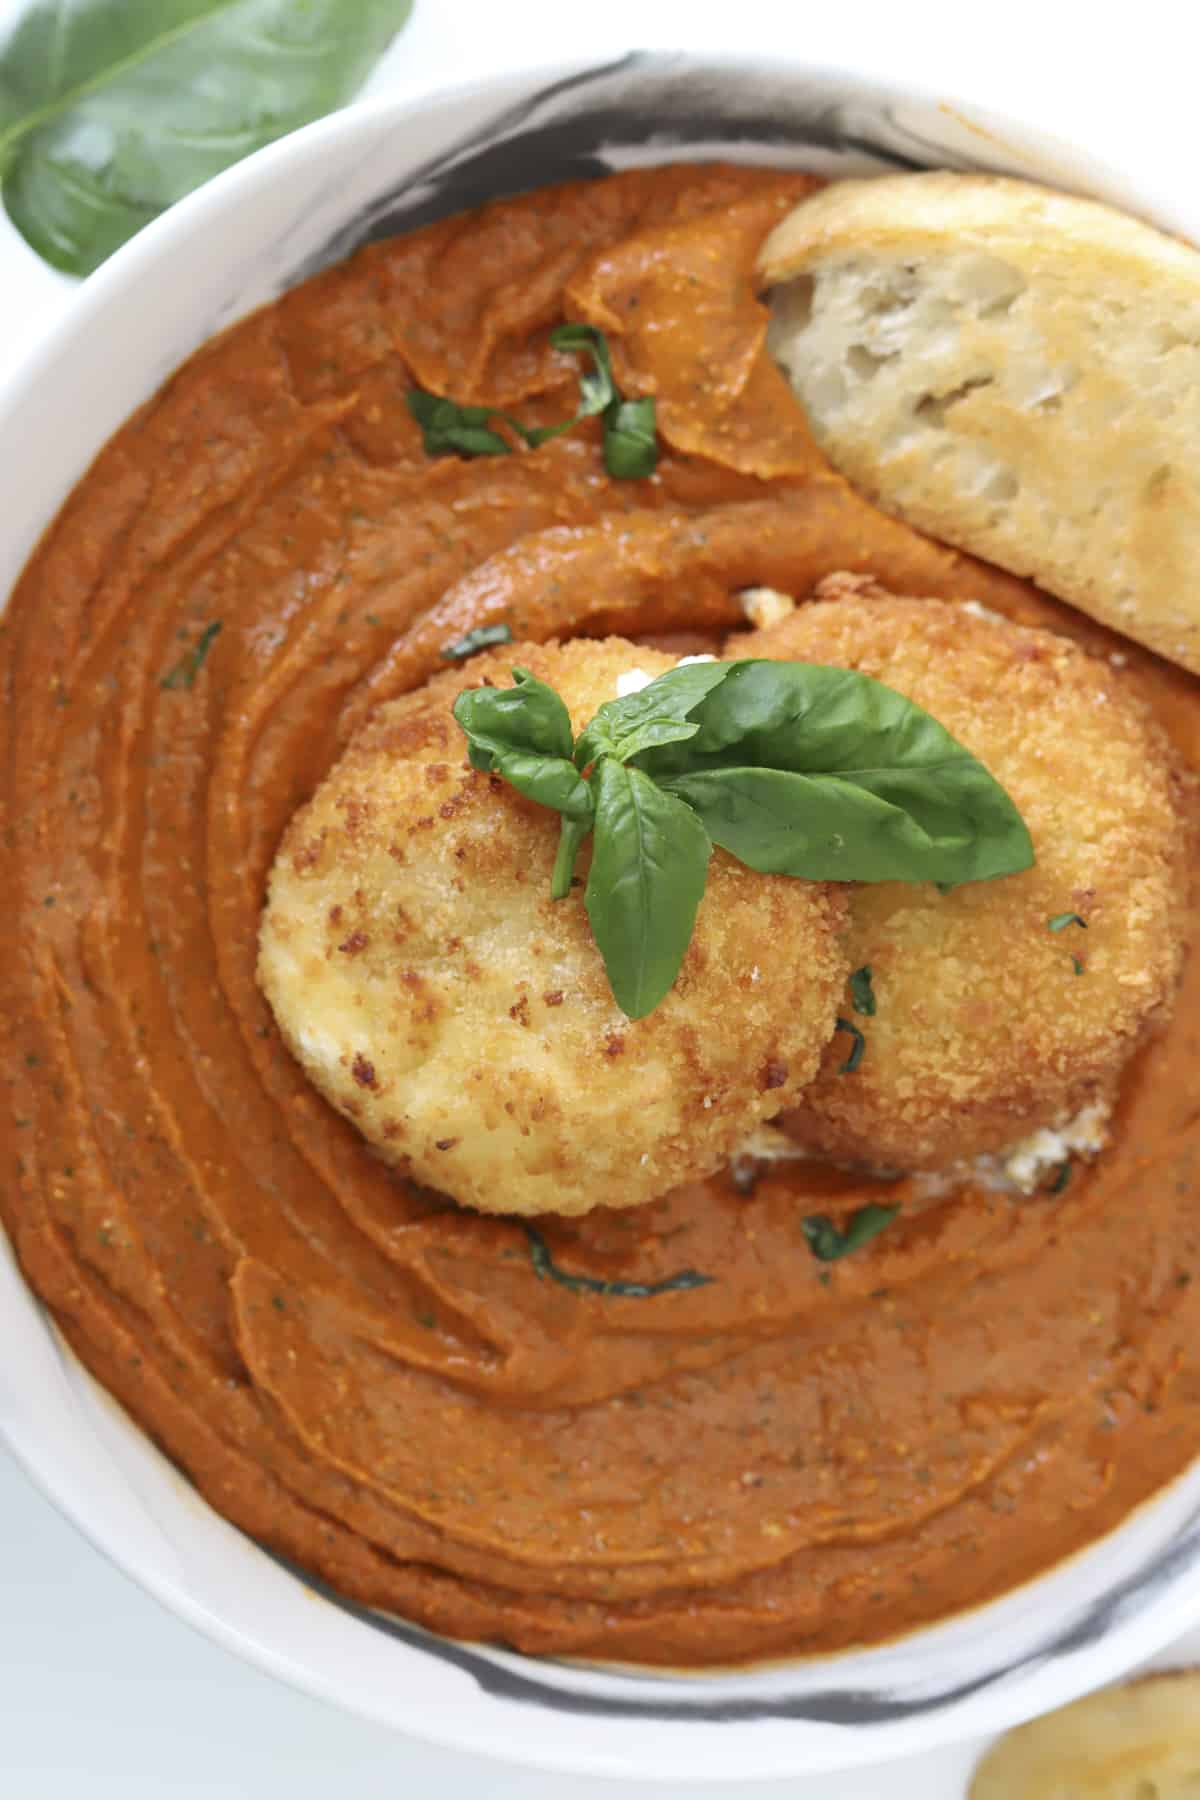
<point>480,639</point>
<point>544,1265</point>
<point>862,994</point>
<point>527,716</point>
<point>1060,921</point>
<point>828,1243</point>
<point>649,865</point>
<point>856,1049</point>
<point>570,842</point>
<point>822,773</point>
<point>550,780</point>
<point>183,673</point>
<point>657,714</point>
<point>631,439</point>
<point>597,389</point>
<point>815,827</point>
<point>111,110</point>
<point>452,430</point>
<point>523,733</point>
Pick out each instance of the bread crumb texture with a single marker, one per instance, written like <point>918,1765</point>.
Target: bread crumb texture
<point>463,1020</point>
<point>1013,370</point>
<point>989,1024</point>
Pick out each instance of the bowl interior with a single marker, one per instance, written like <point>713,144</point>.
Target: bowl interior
<point>291,210</point>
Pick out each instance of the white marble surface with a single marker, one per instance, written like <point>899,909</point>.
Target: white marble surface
<point>103,1693</point>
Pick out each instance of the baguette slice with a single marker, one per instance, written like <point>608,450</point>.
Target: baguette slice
<point>1012,370</point>
<point>1140,1742</point>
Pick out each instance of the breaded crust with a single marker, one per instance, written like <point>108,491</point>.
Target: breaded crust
<point>437,996</point>
<point>989,1024</point>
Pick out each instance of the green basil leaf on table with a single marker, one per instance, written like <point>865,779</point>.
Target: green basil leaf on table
<point>111,110</point>
<point>822,773</point>
<point>649,865</point>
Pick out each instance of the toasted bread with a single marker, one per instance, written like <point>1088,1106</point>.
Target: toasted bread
<point>1140,1742</point>
<point>1012,370</point>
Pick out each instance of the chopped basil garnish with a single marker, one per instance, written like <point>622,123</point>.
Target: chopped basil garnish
<point>545,1265</point>
<point>793,768</point>
<point>1060,921</point>
<point>452,430</point>
<point>862,994</point>
<point>481,638</point>
<point>630,435</point>
<point>827,1242</point>
<point>856,1053</point>
<point>1077,964</point>
<point>1061,1179</point>
<point>185,671</point>
<point>631,439</point>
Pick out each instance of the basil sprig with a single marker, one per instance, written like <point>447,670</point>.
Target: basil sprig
<point>794,768</point>
<point>630,436</point>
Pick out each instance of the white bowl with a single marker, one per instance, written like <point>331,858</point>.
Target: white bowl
<point>242,240</point>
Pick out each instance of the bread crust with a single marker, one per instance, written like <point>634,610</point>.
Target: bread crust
<point>1013,370</point>
<point>1119,1744</point>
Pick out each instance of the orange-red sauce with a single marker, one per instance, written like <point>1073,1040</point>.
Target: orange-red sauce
<point>795,1457</point>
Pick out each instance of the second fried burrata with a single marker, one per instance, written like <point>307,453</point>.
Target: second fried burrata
<point>1003,1006</point>
<point>434,992</point>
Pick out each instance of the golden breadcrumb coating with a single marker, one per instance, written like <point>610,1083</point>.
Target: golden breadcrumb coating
<point>989,1024</point>
<point>435,993</point>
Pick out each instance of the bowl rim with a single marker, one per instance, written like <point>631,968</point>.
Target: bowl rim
<point>1129,1640</point>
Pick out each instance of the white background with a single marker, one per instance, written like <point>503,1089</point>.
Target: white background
<point>101,1692</point>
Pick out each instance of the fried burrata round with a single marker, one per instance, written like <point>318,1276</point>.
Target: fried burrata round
<point>437,996</point>
<point>1003,1006</point>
